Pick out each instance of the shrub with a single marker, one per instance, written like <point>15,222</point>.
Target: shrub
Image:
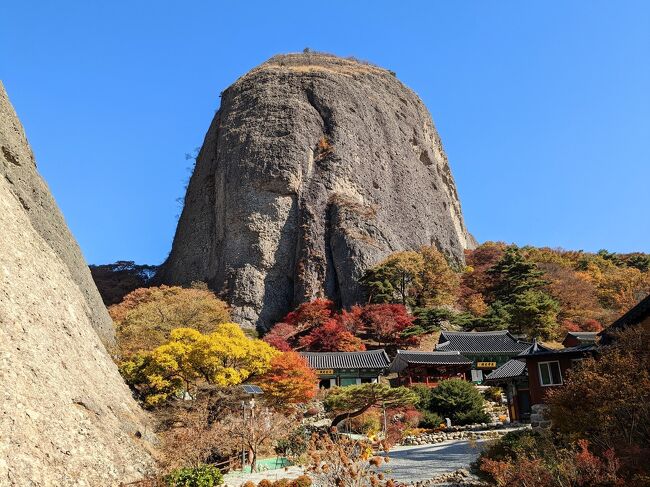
<point>302,481</point>
<point>369,423</point>
<point>294,445</point>
<point>493,394</point>
<point>265,483</point>
<point>249,483</point>
<point>540,459</point>
<point>281,483</point>
<point>201,476</point>
<point>459,400</point>
<point>613,394</point>
<point>507,448</point>
<point>431,420</point>
<point>424,397</point>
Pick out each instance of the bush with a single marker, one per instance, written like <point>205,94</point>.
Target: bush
<point>613,394</point>
<point>472,417</point>
<point>202,476</point>
<point>459,400</point>
<point>369,423</point>
<point>249,483</point>
<point>431,420</point>
<point>265,483</point>
<point>507,448</point>
<point>302,481</point>
<point>294,445</point>
<point>541,459</point>
<point>424,397</point>
<point>493,394</point>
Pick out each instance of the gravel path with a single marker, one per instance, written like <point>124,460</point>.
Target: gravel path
<point>235,479</point>
<point>406,464</point>
<point>422,462</point>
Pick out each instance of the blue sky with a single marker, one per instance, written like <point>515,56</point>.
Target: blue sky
<point>543,107</point>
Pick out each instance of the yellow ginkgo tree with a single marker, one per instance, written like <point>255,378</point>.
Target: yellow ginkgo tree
<point>225,357</point>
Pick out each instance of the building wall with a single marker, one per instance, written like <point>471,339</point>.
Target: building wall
<point>498,359</point>
<point>537,390</point>
<point>570,341</point>
<point>346,377</point>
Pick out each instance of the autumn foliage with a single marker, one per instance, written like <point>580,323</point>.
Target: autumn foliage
<point>613,391</point>
<point>546,466</point>
<point>190,358</point>
<point>146,316</point>
<point>289,381</point>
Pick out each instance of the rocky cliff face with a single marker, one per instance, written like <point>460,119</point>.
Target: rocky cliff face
<point>314,168</point>
<point>18,169</point>
<point>66,417</point>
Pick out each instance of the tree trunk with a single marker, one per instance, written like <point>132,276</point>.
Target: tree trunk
<point>341,417</point>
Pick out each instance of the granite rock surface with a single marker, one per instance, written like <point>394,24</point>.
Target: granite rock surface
<point>314,168</point>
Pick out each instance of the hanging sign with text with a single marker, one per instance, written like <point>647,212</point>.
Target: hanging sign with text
<point>486,365</point>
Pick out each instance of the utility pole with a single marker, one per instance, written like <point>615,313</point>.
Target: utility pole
<point>243,441</point>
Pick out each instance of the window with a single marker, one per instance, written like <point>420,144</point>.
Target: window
<point>549,373</point>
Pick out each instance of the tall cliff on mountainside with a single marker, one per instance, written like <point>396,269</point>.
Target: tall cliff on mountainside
<point>66,416</point>
<point>314,168</point>
<point>19,170</point>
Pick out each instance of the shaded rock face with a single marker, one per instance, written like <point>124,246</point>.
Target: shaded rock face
<point>66,417</point>
<point>314,169</point>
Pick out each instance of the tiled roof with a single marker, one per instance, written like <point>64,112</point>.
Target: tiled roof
<point>480,342</point>
<point>404,358</point>
<point>585,349</point>
<point>372,359</point>
<point>512,368</point>
<point>535,347</point>
<point>584,335</point>
<point>634,316</point>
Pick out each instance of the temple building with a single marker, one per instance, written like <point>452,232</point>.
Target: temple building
<point>428,368</point>
<point>538,369</point>
<point>347,368</point>
<point>575,338</point>
<point>512,377</point>
<point>487,350</point>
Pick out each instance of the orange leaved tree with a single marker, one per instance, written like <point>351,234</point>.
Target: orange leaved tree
<point>289,381</point>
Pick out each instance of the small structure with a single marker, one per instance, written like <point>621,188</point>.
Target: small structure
<point>548,368</point>
<point>347,368</point>
<point>513,378</point>
<point>575,338</point>
<point>488,350</point>
<point>428,368</point>
<point>639,315</point>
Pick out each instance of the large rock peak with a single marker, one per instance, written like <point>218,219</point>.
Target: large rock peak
<point>314,168</point>
<point>66,417</point>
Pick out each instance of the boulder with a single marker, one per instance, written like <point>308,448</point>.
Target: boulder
<point>314,168</point>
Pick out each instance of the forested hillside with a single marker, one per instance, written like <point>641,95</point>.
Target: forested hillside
<point>539,292</point>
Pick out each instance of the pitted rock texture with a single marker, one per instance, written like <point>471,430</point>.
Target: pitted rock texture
<point>18,169</point>
<point>314,168</point>
<point>66,417</point>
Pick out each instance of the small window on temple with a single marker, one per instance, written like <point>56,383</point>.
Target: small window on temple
<point>549,373</point>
